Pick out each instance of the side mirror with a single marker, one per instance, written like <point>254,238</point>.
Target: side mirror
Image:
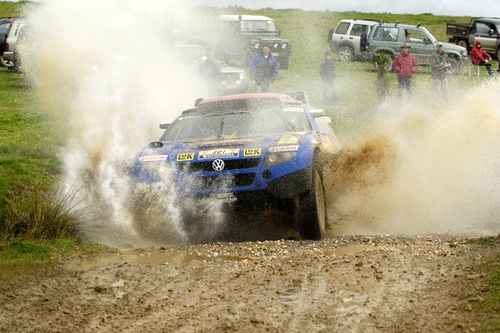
<point>155,145</point>
<point>165,124</point>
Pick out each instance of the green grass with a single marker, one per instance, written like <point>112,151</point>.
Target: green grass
<point>19,258</point>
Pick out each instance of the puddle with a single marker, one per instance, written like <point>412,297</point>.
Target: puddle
<point>147,258</point>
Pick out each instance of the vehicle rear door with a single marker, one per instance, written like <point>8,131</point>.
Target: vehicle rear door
<point>357,30</point>
<point>340,33</point>
<point>487,33</point>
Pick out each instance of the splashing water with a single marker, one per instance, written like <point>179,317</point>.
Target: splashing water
<point>426,169</point>
<point>107,72</point>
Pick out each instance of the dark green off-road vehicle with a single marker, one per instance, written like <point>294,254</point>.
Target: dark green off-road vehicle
<point>239,37</point>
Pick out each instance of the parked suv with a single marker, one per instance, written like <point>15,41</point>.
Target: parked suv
<point>389,37</point>
<point>239,37</point>
<point>17,32</point>
<point>5,24</point>
<point>348,38</point>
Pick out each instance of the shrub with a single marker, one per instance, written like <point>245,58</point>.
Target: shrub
<point>32,214</point>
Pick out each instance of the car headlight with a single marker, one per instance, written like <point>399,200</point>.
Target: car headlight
<point>242,76</point>
<point>278,158</point>
<point>275,46</point>
<point>284,46</point>
<point>464,53</point>
<point>256,45</point>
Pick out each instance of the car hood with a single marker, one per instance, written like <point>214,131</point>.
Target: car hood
<point>452,47</point>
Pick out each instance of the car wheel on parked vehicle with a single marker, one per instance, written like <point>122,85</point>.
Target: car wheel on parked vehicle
<point>346,53</point>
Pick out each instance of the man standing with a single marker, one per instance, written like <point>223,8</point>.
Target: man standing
<point>440,65</point>
<point>263,70</point>
<point>405,66</point>
<point>327,72</point>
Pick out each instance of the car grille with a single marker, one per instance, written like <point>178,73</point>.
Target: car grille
<point>221,181</point>
<point>230,76</point>
<point>229,165</point>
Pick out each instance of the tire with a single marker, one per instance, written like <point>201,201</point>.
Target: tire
<point>498,55</point>
<point>388,65</point>
<point>311,210</point>
<point>346,53</point>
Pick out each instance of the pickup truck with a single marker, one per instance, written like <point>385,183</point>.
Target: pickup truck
<point>486,29</point>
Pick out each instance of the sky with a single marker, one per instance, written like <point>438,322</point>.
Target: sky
<point>437,7</point>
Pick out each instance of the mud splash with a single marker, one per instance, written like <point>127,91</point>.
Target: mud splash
<point>429,168</point>
<point>108,73</point>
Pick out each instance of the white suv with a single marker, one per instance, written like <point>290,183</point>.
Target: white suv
<point>348,38</point>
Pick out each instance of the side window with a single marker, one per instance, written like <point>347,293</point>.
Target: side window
<point>482,28</point>
<point>415,36</point>
<point>342,28</point>
<point>359,29</point>
<point>3,29</point>
<point>388,34</point>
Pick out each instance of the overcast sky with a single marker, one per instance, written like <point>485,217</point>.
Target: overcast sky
<point>441,7</point>
<point>437,7</point>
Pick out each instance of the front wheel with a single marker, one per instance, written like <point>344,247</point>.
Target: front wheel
<point>311,210</point>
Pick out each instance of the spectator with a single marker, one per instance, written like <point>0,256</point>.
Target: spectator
<point>381,61</point>
<point>327,72</point>
<point>439,66</point>
<point>263,70</point>
<point>480,57</point>
<point>405,67</point>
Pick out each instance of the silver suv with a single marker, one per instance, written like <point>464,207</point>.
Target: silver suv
<point>348,38</point>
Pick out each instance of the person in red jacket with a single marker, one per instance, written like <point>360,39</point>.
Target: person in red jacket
<point>480,57</point>
<point>405,65</point>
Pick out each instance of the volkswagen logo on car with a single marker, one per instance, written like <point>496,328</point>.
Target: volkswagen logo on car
<point>218,165</point>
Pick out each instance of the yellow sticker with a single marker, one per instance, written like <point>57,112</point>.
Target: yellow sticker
<point>288,139</point>
<point>185,157</point>
<point>218,153</point>
<point>252,152</point>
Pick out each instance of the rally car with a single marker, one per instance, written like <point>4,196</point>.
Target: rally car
<point>253,150</point>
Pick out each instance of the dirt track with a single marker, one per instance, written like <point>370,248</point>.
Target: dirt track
<point>341,284</point>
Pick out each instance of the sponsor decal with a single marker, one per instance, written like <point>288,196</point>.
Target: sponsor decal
<point>282,149</point>
<point>153,158</point>
<point>252,152</point>
<point>185,157</point>
<point>288,139</point>
<point>218,153</point>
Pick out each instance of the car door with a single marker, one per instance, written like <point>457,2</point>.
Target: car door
<point>340,33</point>
<point>487,33</point>
<point>421,47</point>
<point>355,35</point>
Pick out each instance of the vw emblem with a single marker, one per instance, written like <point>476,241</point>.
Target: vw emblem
<point>218,165</point>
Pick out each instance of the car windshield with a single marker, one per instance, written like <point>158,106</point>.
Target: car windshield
<point>226,126</point>
<point>261,26</point>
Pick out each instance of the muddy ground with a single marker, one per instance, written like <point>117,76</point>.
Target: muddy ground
<point>340,284</point>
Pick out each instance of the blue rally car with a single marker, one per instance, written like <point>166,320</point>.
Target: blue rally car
<point>257,151</point>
